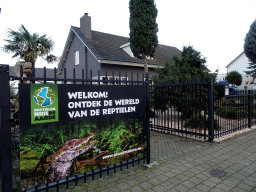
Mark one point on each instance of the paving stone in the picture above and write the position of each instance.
(217, 190)
(162, 178)
(176, 171)
(224, 187)
(188, 184)
(245, 186)
(181, 188)
(132, 182)
(249, 183)
(201, 176)
(168, 185)
(141, 178)
(99, 189)
(215, 180)
(169, 174)
(158, 172)
(195, 180)
(194, 190)
(122, 186)
(136, 189)
(150, 175)
(154, 181)
(112, 189)
(229, 183)
(159, 188)
(188, 173)
(203, 187)
(238, 189)
(146, 185)
(175, 181)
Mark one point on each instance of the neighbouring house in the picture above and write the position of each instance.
(240, 64)
(97, 51)
(221, 77)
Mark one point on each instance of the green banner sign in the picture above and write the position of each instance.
(44, 103)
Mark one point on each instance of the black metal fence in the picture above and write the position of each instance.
(183, 107)
(189, 108)
(234, 112)
(5, 129)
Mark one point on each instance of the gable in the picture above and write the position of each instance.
(239, 64)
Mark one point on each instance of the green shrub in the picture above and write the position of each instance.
(197, 121)
(232, 113)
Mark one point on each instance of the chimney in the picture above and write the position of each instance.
(85, 26)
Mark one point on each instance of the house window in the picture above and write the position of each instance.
(77, 57)
(115, 81)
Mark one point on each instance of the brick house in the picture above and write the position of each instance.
(92, 50)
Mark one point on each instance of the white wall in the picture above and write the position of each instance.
(240, 65)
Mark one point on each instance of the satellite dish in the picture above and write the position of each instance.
(27, 67)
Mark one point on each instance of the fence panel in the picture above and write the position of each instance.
(234, 113)
(182, 107)
(116, 85)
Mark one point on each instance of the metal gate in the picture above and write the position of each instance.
(183, 107)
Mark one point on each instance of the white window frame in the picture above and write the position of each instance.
(123, 79)
(77, 57)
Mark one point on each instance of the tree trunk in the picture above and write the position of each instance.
(145, 65)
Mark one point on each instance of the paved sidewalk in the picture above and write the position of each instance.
(185, 165)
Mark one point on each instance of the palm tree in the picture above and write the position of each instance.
(29, 46)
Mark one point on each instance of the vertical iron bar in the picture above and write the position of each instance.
(44, 74)
(119, 78)
(58, 186)
(21, 73)
(99, 77)
(83, 76)
(65, 75)
(5, 132)
(74, 76)
(126, 81)
(66, 182)
(91, 75)
(113, 78)
(85, 177)
(106, 76)
(249, 110)
(210, 109)
(147, 119)
(55, 74)
(33, 74)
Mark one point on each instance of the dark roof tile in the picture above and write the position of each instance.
(107, 47)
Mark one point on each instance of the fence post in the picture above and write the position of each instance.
(249, 110)
(5, 132)
(210, 110)
(147, 118)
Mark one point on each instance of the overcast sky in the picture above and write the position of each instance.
(215, 28)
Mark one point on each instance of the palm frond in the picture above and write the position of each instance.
(28, 46)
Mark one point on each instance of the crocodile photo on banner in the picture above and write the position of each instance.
(71, 129)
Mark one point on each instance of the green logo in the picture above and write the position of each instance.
(44, 96)
(44, 103)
